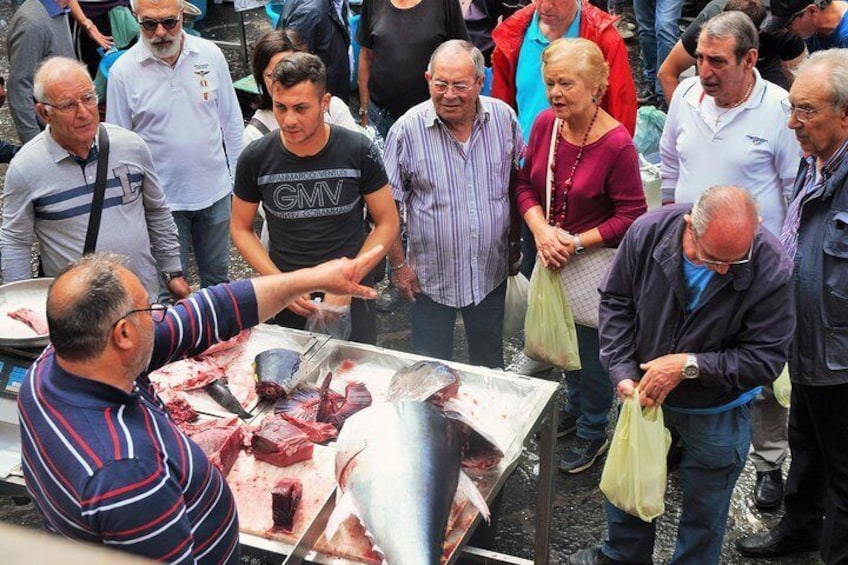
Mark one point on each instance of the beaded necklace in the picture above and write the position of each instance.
(557, 216)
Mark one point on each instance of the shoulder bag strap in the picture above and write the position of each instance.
(263, 129)
(99, 192)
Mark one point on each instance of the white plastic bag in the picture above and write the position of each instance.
(782, 388)
(515, 305)
(549, 332)
(331, 320)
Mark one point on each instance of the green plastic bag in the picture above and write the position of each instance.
(634, 477)
(782, 388)
(549, 332)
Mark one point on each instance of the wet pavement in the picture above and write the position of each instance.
(578, 505)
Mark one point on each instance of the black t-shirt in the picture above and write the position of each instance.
(313, 205)
(402, 41)
(774, 47)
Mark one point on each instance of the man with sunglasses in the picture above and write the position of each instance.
(49, 189)
(725, 127)
(696, 311)
(102, 459)
(175, 91)
(821, 23)
(815, 236)
(457, 207)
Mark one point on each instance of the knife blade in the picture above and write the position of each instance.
(312, 533)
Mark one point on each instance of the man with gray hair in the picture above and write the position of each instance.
(727, 127)
(457, 207)
(175, 91)
(48, 192)
(815, 235)
(696, 311)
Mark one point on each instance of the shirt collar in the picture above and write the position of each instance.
(835, 160)
(79, 391)
(54, 9)
(695, 95)
(535, 34)
(58, 153)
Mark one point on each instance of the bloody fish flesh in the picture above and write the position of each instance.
(275, 370)
(285, 498)
(280, 443)
(36, 322)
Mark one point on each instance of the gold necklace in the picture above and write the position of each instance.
(736, 105)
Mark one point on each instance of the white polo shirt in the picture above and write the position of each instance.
(188, 114)
(749, 146)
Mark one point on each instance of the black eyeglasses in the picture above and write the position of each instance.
(157, 312)
(168, 23)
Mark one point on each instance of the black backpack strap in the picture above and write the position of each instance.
(99, 192)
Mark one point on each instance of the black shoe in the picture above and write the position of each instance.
(773, 543)
(582, 454)
(768, 492)
(645, 95)
(567, 425)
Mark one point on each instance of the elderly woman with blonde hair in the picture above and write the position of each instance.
(579, 189)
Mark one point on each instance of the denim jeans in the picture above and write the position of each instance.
(589, 391)
(208, 232)
(658, 31)
(433, 325)
(714, 451)
(380, 119)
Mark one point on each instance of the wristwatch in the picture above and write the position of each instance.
(168, 277)
(690, 368)
(363, 112)
(578, 246)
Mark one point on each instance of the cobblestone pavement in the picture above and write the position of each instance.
(578, 516)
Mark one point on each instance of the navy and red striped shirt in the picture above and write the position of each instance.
(111, 467)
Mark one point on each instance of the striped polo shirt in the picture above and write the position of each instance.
(456, 197)
(107, 466)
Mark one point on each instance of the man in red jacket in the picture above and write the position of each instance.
(521, 38)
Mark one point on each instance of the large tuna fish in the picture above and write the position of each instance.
(398, 471)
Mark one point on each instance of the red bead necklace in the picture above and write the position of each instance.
(557, 217)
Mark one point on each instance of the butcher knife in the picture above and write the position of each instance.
(312, 533)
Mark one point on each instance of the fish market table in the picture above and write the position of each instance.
(509, 407)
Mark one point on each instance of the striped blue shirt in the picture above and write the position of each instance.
(456, 197)
(111, 467)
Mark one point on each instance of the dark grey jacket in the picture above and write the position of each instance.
(740, 331)
(819, 354)
(326, 35)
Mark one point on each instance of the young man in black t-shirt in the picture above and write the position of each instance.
(313, 181)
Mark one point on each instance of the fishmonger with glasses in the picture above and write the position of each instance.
(102, 459)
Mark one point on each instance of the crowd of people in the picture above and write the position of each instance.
(696, 306)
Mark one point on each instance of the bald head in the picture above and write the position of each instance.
(84, 302)
(731, 208)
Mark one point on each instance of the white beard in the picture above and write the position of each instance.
(164, 50)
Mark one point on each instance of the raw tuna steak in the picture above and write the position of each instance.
(275, 370)
(280, 443)
(221, 445)
(285, 497)
(318, 432)
(179, 409)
